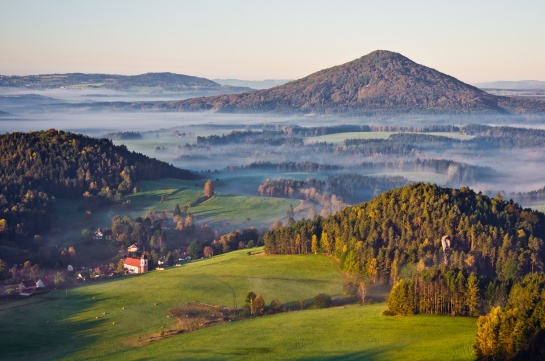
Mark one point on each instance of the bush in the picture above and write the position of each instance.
(322, 300)
(275, 306)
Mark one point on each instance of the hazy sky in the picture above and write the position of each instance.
(474, 41)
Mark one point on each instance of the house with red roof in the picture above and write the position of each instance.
(136, 265)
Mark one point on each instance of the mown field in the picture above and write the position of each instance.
(105, 321)
(224, 208)
(341, 137)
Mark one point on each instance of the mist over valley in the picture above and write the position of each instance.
(423, 190)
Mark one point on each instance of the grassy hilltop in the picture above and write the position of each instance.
(79, 324)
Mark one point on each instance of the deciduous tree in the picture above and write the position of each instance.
(258, 306)
(208, 189)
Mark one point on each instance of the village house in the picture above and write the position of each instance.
(98, 234)
(40, 284)
(136, 265)
(133, 248)
(27, 288)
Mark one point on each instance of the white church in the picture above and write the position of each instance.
(136, 265)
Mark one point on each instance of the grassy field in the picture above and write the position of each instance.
(341, 137)
(224, 211)
(222, 208)
(78, 324)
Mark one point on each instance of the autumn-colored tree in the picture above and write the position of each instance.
(3, 226)
(275, 306)
(372, 270)
(362, 291)
(208, 189)
(258, 306)
(72, 252)
(189, 221)
(179, 225)
(315, 247)
(59, 279)
(248, 302)
(208, 251)
(401, 299)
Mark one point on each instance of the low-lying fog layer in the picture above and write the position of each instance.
(172, 136)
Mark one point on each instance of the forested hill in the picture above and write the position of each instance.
(37, 167)
(404, 227)
(165, 81)
(379, 81)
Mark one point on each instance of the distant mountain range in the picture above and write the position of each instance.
(254, 84)
(379, 82)
(513, 85)
(145, 82)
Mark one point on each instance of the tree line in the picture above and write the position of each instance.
(346, 188)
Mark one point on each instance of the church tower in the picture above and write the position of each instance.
(143, 264)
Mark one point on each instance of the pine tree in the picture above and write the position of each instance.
(177, 210)
(472, 295)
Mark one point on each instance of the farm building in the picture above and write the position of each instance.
(136, 265)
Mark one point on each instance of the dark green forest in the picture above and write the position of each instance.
(489, 236)
(38, 167)
(445, 251)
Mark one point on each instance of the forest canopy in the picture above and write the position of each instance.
(38, 167)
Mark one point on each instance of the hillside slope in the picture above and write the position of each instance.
(402, 227)
(381, 80)
(38, 167)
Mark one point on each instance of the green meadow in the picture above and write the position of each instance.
(104, 321)
(341, 137)
(224, 210)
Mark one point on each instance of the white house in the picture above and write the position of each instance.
(98, 234)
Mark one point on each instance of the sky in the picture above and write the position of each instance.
(474, 41)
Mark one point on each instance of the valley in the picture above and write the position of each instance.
(79, 323)
(401, 194)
